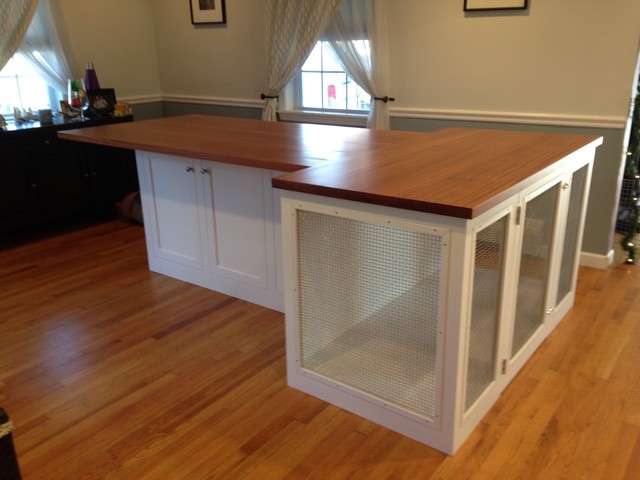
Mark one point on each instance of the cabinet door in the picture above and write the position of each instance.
(571, 242)
(113, 174)
(237, 231)
(61, 180)
(18, 201)
(532, 298)
(172, 208)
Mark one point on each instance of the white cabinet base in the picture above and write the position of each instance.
(419, 321)
(214, 225)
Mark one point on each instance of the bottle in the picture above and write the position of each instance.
(91, 78)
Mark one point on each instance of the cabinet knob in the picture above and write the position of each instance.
(203, 171)
(33, 185)
(189, 169)
(565, 186)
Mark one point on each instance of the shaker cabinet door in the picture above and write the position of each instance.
(172, 208)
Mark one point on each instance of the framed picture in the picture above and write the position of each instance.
(207, 11)
(102, 102)
(475, 5)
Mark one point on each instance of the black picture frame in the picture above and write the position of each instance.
(485, 5)
(102, 102)
(208, 12)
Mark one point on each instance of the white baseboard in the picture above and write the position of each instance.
(596, 261)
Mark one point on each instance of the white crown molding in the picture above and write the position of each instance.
(511, 117)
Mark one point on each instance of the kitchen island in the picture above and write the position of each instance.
(419, 271)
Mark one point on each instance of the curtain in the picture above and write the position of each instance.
(355, 22)
(15, 17)
(292, 30)
(42, 48)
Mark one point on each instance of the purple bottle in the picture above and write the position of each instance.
(91, 79)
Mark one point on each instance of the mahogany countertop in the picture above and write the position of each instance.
(285, 147)
(454, 172)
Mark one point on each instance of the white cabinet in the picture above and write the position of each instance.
(212, 224)
(174, 207)
(419, 321)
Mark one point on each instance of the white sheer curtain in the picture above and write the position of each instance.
(292, 30)
(15, 17)
(355, 22)
(42, 48)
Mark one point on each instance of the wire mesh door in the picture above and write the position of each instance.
(488, 274)
(535, 263)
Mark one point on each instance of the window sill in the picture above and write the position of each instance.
(341, 119)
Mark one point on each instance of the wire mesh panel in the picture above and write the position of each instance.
(534, 266)
(490, 249)
(570, 242)
(369, 297)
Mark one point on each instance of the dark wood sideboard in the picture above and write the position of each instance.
(44, 179)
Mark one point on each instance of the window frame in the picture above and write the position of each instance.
(292, 109)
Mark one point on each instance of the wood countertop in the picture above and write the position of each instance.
(285, 147)
(454, 172)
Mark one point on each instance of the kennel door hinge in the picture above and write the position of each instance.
(504, 366)
(518, 215)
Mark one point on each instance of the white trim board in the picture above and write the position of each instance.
(594, 260)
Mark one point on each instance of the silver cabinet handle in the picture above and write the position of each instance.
(204, 171)
(189, 169)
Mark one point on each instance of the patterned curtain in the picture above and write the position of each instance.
(292, 30)
(15, 17)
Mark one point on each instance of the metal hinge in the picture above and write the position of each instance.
(518, 215)
(504, 366)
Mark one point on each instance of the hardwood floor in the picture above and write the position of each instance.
(109, 371)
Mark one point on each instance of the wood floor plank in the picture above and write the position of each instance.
(113, 372)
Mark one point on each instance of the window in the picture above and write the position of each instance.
(324, 86)
(21, 86)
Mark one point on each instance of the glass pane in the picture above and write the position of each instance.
(8, 94)
(33, 91)
(22, 67)
(9, 69)
(335, 90)
(314, 61)
(357, 98)
(311, 89)
(329, 61)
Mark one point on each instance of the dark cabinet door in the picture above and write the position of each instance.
(18, 199)
(62, 180)
(113, 174)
